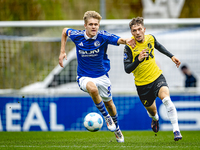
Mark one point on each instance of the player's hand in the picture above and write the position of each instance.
(176, 61)
(61, 57)
(131, 42)
(143, 54)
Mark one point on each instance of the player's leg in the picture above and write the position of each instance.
(94, 93)
(110, 106)
(104, 86)
(113, 112)
(147, 98)
(105, 93)
(152, 112)
(164, 95)
(89, 85)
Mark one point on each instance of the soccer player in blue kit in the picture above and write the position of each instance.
(93, 65)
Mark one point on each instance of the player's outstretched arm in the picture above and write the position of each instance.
(62, 49)
(128, 41)
(176, 61)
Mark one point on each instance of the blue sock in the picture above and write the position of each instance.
(102, 108)
(115, 119)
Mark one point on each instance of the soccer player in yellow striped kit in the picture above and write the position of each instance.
(149, 81)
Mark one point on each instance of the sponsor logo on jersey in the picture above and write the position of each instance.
(97, 43)
(92, 53)
(135, 50)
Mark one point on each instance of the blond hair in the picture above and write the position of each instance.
(136, 21)
(91, 14)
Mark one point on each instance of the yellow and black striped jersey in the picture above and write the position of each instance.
(146, 71)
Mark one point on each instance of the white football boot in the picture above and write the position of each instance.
(110, 124)
(119, 136)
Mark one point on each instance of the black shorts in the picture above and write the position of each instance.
(149, 92)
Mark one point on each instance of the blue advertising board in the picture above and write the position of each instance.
(54, 113)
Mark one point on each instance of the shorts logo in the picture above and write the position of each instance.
(109, 91)
(159, 84)
(96, 43)
(144, 102)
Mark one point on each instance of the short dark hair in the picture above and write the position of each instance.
(136, 21)
(184, 67)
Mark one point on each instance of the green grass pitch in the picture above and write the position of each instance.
(105, 140)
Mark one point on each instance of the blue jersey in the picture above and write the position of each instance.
(91, 52)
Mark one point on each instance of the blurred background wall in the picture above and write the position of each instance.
(15, 10)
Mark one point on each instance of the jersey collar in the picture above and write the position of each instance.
(87, 38)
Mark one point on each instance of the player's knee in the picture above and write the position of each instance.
(163, 96)
(164, 92)
(93, 90)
